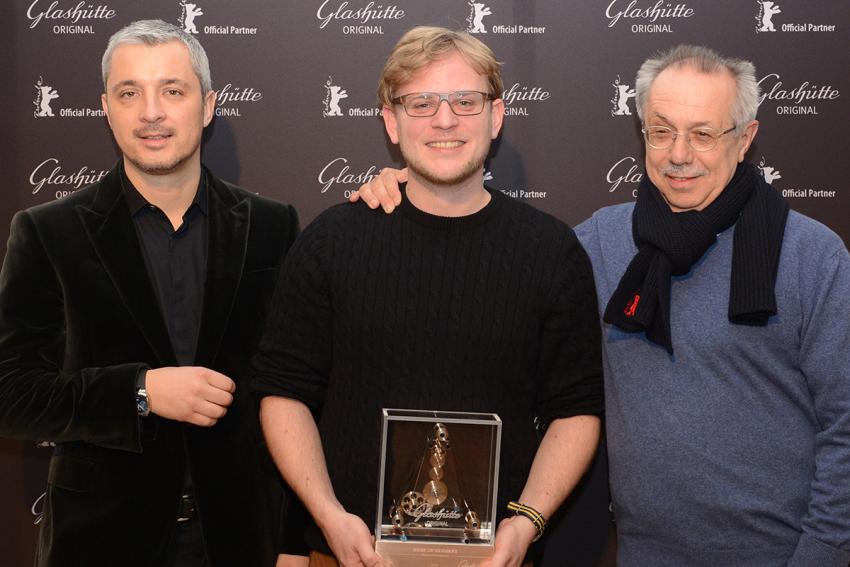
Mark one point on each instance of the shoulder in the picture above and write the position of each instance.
(604, 222)
(810, 245)
(53, 210)
(613, 215)
(802, 232)
(259, 203)
(531, 219)
(55, 223)
(344, 218)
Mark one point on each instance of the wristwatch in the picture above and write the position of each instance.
(143, 408)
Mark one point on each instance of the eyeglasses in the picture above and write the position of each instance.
(699, 139)
(462, 103)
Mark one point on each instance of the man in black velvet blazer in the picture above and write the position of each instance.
(93, 334)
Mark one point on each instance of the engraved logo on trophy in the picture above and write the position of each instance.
(435, 504)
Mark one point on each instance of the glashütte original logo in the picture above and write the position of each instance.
(189, 11)
(653, 16)
(338, 172)
(620, 103)
(522, 94)
(37, 509)
(46, 94)
(772, 174)
(229, 99)
(74, 20)
(794, 100)
(624, 170)
(49, 173)
(475, 22)
(363, 20)
(768, 9)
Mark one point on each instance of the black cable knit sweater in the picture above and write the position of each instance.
(492, 312)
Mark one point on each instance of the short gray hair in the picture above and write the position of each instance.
(708, 61)
(157, 32)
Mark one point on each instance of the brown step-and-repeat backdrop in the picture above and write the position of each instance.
(298, 121)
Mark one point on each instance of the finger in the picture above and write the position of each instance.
(201, 420)
(401, 177)
(354, 197)
(218, 397)
(366, 192)
(368, 556)
(384, 196)
(209, 409)
(220, 381)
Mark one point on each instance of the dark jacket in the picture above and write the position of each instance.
(79, 318)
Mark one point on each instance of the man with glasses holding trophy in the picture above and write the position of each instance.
(463, 300)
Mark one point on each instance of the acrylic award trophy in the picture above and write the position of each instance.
(437, 492)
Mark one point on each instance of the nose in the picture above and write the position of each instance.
(444, 118)
(152, 110)
(680, 151)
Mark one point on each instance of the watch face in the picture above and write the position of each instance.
(142, 407)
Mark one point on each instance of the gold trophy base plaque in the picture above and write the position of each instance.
(432, 554)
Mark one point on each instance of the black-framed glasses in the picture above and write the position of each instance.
(699, 139)
(462, 103)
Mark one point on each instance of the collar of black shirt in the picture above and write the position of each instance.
(138, 203)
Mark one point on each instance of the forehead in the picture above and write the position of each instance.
(447, 74)
(140, 62)
(684, 94)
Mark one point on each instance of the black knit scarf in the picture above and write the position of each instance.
(669, 244)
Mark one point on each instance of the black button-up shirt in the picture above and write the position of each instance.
(177, 263)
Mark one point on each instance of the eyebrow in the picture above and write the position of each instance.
(161, 83)
(694, 125)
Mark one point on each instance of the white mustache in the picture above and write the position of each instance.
(681, 171)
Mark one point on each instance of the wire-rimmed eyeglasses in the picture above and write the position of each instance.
(699, 139)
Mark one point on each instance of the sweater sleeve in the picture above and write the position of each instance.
(825, 362)
(570, 363)
(294, 356)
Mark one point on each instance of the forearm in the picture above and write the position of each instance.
(562, 458)
(294, 443)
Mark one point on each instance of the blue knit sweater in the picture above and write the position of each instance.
(735, 450)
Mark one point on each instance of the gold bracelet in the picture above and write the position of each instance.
(536, 517)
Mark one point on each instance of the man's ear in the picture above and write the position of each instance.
(747, 137)
(209, 106)
(497, 116)
(105, 108)
(390, 123)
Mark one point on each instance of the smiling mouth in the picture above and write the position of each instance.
(152, 134)
(445, 145)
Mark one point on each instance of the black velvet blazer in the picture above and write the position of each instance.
(78, 319)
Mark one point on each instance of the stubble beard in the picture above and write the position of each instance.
(163, 168)
(470, 169)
